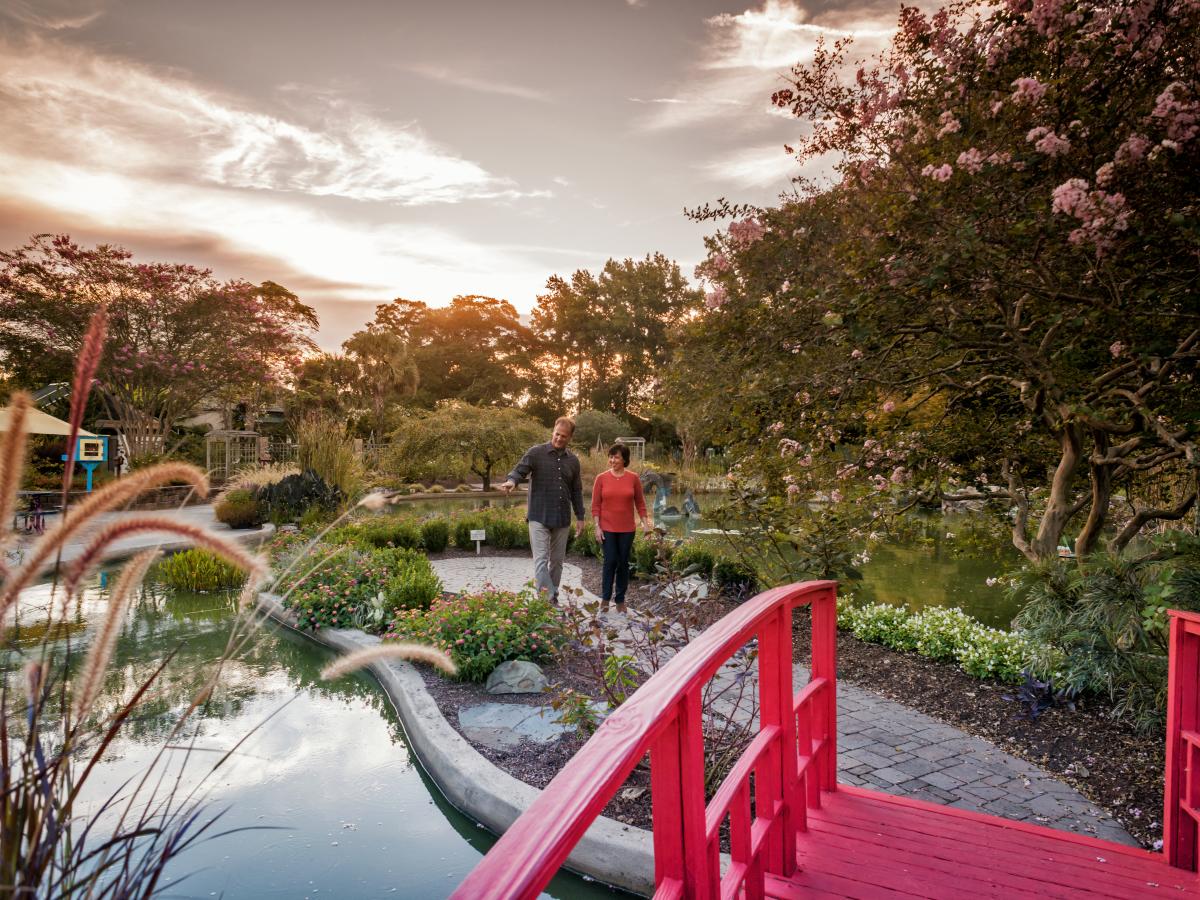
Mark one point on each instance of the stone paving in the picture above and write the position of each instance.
(883, 744)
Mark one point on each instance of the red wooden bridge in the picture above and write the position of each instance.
(793, 830)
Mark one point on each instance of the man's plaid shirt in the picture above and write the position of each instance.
(555, 486)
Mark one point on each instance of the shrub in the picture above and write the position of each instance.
(503, 533)
(413, 583)
(995, 654)
(881, 623)
(506, 529)
(482, 630)
(239, 509)
(294, 495)
(435, 535)
(199, 571)
(695, 556)
(941, 633)
(362, 589)
(462, 531)
(314, 515)
(587, 545)
(436, 489)
(390, 532)
(734, 574)
(645, 555)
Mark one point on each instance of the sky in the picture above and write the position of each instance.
(364, 150)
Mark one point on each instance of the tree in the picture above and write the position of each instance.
(175, 334)
(386, 372)
(480, 437)
(1008, 261)
(475, 350)
(592, 425)
(608, 337)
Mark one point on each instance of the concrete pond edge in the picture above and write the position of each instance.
(610, 852)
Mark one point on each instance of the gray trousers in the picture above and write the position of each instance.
(549, 547)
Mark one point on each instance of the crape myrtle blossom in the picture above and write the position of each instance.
(1101, 215)
(716, 298)
(746, 232)
(1046, 141)
(938, 173)
(1028, 90)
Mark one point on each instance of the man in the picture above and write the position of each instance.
(555, 489)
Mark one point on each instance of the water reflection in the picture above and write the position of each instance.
(326, 778)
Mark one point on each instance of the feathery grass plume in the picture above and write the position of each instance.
(86, 365)
(351, 662)
(12, 460)
(113, 531)
(249, 594)
(102, 500)
(101, 650)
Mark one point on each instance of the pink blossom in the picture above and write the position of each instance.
(1046, 141)
(720, 262)
(1104, 175)
(775, 427)
(1102, 215)
(716, 297)
(793, 489)
(1028, 90)
(746, 232)
(835, 496)
(997, 105)
(788, 447)
(1132, 150)
(1000, 158)
(856, 353)
(972, 160)
(1116, 348)
(950, 124)
(1180, 114)
(898, 475)
(786, 286)
(888, 406)
(939, 173)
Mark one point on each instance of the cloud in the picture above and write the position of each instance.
(86, 109)
(481, 85)
(767, 165)
(745, 57)
(52, 15)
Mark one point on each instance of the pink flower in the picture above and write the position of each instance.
(746, 232)
(1028, 90)
(1132, 150)
(775, 427)
(1104, 174)
(940, 173)
(721, 262)
(972, 160)
(793, 489)
(717, 297)
(1116, 348)
(898, 475)
(856, 353)
(888, 406)
(949, 123)
(835, 496)
(996, 107)
(1046, 141)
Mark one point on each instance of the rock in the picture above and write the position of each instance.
(516, 676)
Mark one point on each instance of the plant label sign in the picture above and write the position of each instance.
(478, 535)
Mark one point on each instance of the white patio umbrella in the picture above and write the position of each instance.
(38, 422)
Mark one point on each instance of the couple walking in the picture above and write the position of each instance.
(556, 490)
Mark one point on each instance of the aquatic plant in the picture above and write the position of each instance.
(198, 571)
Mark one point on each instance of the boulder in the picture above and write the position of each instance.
(517, 676)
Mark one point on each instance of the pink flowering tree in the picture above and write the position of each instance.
(175, 335)
(1000, 291)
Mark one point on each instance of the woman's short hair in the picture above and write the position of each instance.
(622, 449)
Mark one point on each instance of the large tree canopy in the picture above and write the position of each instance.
(475, 350)
(175, 334)
(1002, 286)
(606, 338)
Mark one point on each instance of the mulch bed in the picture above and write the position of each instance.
(1116, 769)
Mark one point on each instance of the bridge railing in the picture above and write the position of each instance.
(787, 765)
(1181, 806)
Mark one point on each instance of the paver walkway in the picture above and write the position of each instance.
(201, 516)
(884, 744)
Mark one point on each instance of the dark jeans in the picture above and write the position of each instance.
(617, 547)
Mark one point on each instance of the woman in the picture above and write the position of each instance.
(616, 496)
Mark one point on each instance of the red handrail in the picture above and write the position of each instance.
(1181, 803)
(792, 759)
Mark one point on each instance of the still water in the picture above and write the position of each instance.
(929, 568)
(337, 804)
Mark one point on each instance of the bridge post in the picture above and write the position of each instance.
(779, 786)
(1181, 803)
(824, 665)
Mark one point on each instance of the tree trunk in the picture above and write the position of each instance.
(1101, 476)
(1058, 508)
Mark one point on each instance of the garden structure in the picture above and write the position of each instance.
(793, 830)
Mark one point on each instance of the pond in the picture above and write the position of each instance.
(931, 567)
(337, 803)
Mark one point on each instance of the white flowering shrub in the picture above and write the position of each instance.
(941, 634)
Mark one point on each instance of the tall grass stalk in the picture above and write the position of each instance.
(325, 448)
